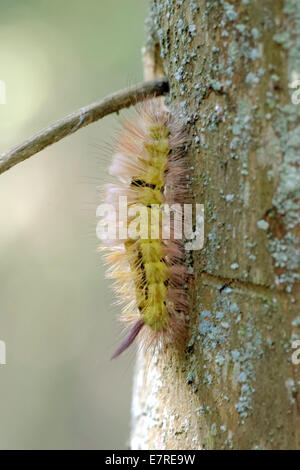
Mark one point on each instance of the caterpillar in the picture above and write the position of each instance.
(150, 276)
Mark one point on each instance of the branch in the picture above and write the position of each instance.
(80, 118)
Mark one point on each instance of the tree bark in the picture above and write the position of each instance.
(230, 65)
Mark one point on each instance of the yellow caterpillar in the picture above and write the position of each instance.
(149, 270)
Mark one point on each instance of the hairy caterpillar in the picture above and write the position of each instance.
(149, 271)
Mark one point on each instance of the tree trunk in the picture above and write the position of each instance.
(230, 66)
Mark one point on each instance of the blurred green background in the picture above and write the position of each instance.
(59, 388)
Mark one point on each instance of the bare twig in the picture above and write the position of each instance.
(84, 116)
